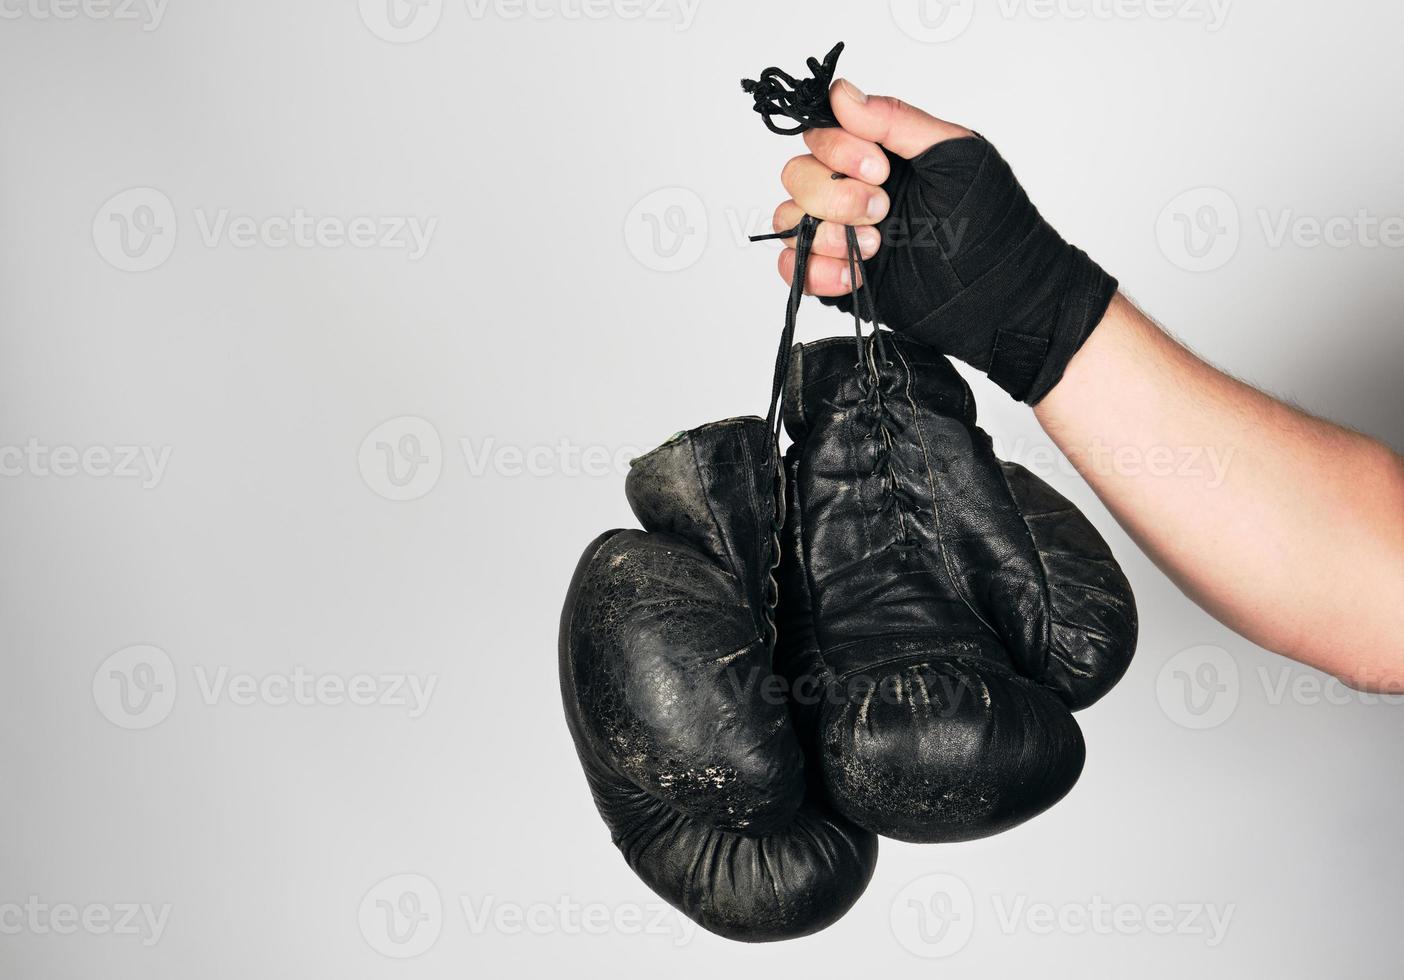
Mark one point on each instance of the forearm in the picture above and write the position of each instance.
(1288, 529)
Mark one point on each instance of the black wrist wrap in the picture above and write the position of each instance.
(967, 265)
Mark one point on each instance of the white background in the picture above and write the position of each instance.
(544, 312)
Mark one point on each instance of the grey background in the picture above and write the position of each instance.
(539, 315)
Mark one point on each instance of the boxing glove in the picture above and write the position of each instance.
(947, 611)
(666, 647)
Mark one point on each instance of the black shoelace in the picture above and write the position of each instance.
(807, 102)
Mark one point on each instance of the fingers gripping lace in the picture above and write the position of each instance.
(807, 102)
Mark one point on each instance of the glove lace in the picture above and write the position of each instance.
(807, 102)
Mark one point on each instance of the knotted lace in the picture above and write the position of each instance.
(805, 100)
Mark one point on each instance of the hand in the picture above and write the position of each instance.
(859, 200)
(961, 260)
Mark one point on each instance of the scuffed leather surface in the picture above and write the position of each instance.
(666, 654)
(947, 670)
(1086, 625)
(790, 883)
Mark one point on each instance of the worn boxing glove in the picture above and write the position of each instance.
(949, 611)
(666, 645)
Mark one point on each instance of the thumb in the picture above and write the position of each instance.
(903, 129)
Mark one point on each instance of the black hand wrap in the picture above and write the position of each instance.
(967, 265)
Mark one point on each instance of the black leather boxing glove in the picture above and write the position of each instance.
(968, 266)
(687, 743)
(954, 609)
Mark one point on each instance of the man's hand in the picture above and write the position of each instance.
(957, 257)
(854, 151)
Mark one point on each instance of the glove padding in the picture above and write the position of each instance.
(686, 740)
(968, 266)
(951, 610)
